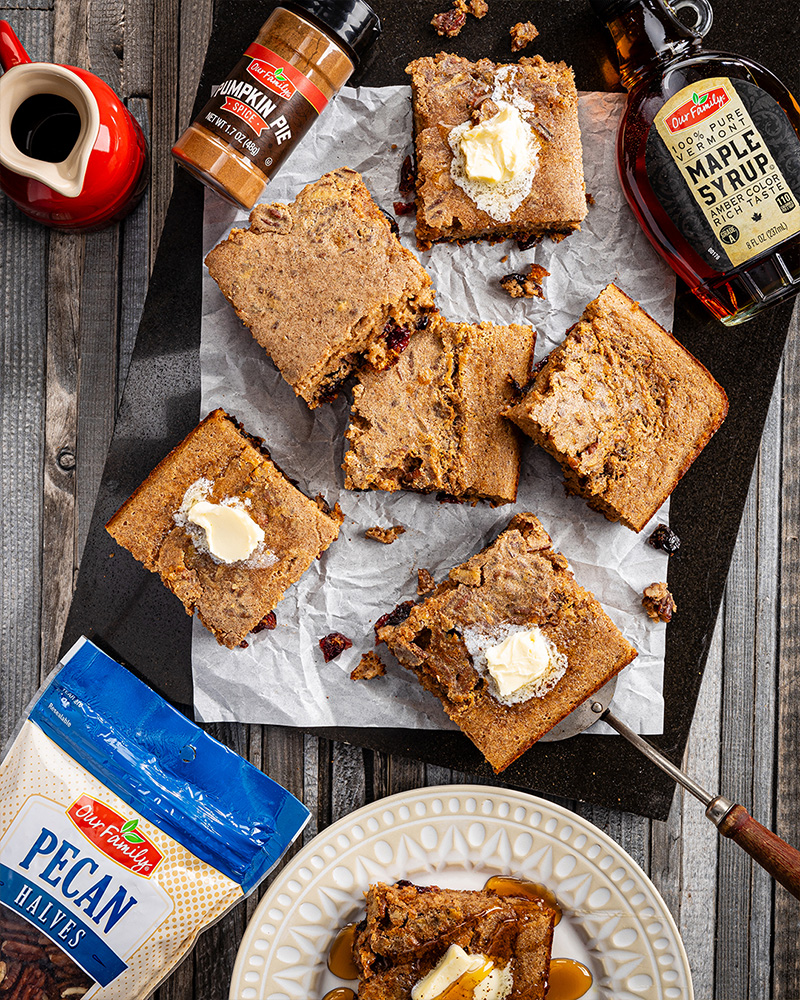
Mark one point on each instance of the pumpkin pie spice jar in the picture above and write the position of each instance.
(305, 52)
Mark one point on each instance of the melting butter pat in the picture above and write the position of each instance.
(453, 966)
(520, 658)
(231, 534)
(499, 149)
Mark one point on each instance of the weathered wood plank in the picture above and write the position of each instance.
(196, 22)
(138, 44)
(734, 895)
(311, 786)
(71, 32)
(348, 786)
(167, 53)
(786, 954)
(105, 33)
(97, 373)
(764, 683)
(134, 263)
(696, 881)
(23, 319)
(59, 560)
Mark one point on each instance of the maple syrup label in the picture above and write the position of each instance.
(263, 105)
(724, 161)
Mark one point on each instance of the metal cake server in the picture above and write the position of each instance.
(731, 820)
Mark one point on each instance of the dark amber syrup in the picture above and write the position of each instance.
(508, 885)
(340, 993)
(569, 980)
(340, 957)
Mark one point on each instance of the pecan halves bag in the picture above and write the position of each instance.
(124, 831)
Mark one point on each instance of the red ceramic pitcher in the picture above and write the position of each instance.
(71, 155)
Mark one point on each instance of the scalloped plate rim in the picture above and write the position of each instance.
(408, 798)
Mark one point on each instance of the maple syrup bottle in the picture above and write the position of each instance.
(708, 153)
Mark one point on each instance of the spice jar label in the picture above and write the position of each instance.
(724, 161)
(263, 105)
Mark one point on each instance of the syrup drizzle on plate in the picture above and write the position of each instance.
(340, 957)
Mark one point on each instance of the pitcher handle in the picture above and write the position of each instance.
(11, 51)
(703, 13)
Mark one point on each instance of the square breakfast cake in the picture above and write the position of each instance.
(532, 101)
(323, 284)
(433, 421)
(222, 526)
(514, 603)
(623, 407)
(409, 930)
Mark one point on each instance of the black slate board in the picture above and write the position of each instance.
(127, 610)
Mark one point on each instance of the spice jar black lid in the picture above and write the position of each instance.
(353, 22)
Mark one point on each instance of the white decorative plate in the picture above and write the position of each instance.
(457, 836)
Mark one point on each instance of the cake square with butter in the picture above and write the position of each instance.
(419, 941)
(510, 643)
(224, 528)
(498, 149)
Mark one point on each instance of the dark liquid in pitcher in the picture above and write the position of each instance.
(46, 127)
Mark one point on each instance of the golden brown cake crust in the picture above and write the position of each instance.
(318, 280)
(623, 407)
(445, 90)
(230, 599)
(518, 580)
(433, 421)
(407, 929)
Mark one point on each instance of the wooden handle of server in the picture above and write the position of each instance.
(780, 859)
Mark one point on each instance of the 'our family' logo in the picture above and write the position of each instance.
(272, 77)
(118, 838)
(698, 107)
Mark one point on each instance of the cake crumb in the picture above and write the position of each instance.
(590, 199)
(269, 622)
(478, 8)
(522, 34)
(471, 576)
(658, 602)
(449, 23)
(528, 285)
(369, 666)
(425, 582)
(385, 535)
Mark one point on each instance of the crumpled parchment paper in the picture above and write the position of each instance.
(281, 677)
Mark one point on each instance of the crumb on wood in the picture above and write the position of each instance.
(425, 582)
(385, 535)
(369, 666)
(522, 34)
(658, 602)
(525, 285)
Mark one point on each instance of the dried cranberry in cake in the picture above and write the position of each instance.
(394, 617)
(528, 285)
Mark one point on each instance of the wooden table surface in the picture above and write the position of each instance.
(68, 323)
